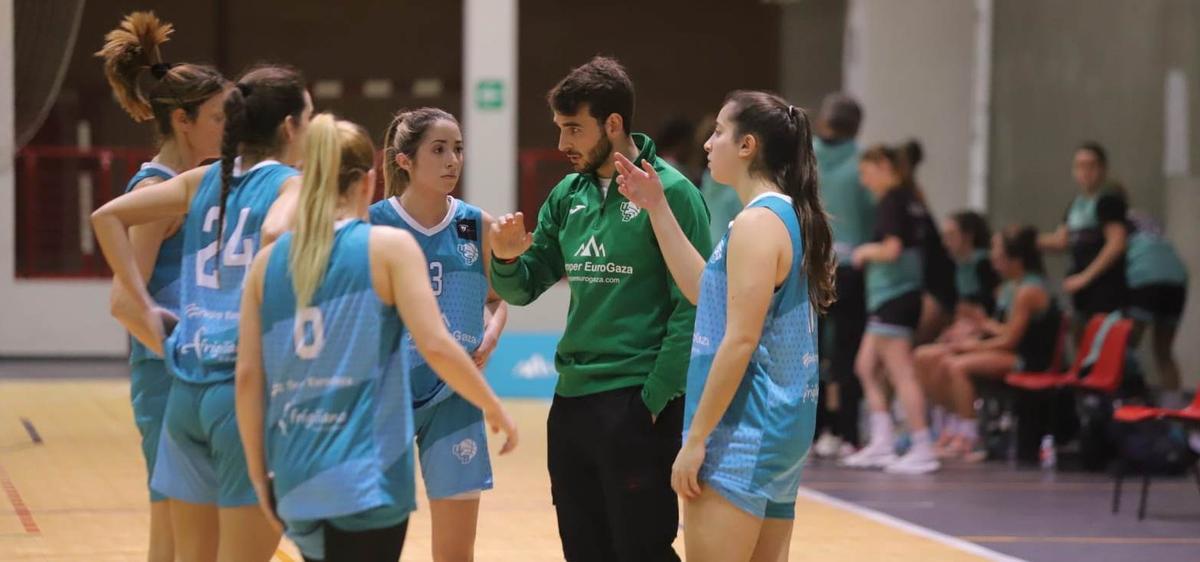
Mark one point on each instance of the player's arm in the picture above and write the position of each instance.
(250, 383)
(146, 239)
(111, 222)
(524, 265)
(1009, 334)
(643, 187)
(755, 250)
(495, 314)
(281, 216)
(1056, 241)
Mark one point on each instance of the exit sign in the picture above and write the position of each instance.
(489, 94)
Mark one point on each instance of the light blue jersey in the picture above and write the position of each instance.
(338, 418)
(755, 455)
(164, 280)
(203, 347)
(149, 381)
(454, 250)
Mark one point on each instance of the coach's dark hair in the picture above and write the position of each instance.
(603, 84)
(975, 227)
(1020, 243)
(147, 87)
(264, 97)
(842, 115)
(785, 155)
(403, 136)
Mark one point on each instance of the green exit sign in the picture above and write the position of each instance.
(489, 94)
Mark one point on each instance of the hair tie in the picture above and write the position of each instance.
(160, 69)
(245, 89)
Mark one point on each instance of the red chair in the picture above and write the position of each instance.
(1189, 416)
(1054, 378)
(1106, 373)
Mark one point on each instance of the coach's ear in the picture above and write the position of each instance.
(614, 126)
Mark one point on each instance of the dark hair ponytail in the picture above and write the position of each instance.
(786, 156)
(263, 99)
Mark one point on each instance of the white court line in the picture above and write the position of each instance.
(911, 528)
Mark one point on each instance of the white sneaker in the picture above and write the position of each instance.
(875, 455)
(827, 445)
(918, 460)
(845, 450)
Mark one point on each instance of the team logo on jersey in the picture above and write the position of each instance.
(466, 229)
(465, 450)
(629, 211)
(591, 249)
(809, 360)
(469, 253)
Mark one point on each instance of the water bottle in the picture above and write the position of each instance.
(1047, 455)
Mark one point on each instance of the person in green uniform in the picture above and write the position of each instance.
(1095, 231)
(1157, 293)
(852, 212)
(616, 421)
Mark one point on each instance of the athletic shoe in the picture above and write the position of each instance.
(827, 445)
(874, 455)
(919, 460)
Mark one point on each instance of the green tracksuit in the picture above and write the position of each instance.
(628, 324)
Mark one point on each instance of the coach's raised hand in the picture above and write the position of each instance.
(509, 237)
(641, 186)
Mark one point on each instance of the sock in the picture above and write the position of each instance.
(951, 427)
(881, 428)
(969, 429)
(922, 443)
(937, 417)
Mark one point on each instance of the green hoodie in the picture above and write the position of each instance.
(628, 324)
(848, 203)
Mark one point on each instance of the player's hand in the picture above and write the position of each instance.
(858, 259)
(168, 319)
(686, 470)
(484, 352)
(509, 237)
(153, 317)
(641, 186)
(263, 491)
(1073, 283)
(499, 421)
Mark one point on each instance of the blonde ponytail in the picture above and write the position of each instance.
(336, 155)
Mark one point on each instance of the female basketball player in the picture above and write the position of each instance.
(186, 103)
(326, 342)
(423, 158)
(232, 209)
(1022, 336)
(895, 282)
(752, 382)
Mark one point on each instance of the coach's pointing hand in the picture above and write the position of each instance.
(509, 238)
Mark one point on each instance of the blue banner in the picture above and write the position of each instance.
(523, 365)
